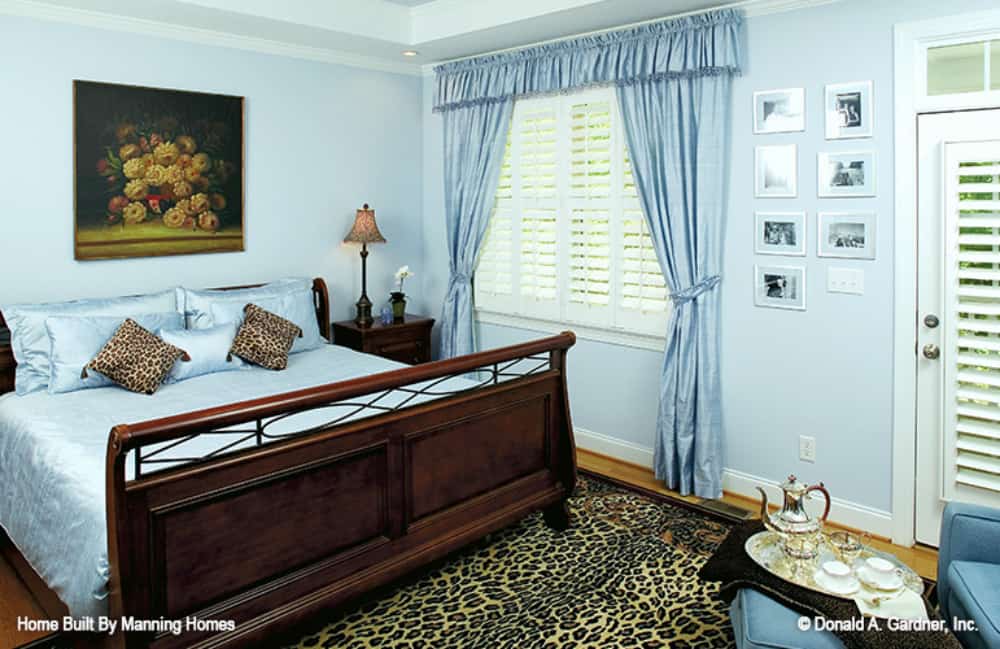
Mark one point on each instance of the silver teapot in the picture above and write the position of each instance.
(799, 533)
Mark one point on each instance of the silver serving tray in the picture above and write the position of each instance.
(765, 549)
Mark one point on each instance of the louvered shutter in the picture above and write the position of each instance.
(536, 178)
(971, 353)
(494, 281)
(567, 242)
(590, 223)
(644, 298)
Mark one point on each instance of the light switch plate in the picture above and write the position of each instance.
(845, 280)
(807, 448)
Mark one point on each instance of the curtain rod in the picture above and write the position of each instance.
(684, 14)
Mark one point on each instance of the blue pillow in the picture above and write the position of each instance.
(197, 305)
(208, 349)
(30, 339)
(296, 306)
(76, 340)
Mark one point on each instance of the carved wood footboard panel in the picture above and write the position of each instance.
(267, 536)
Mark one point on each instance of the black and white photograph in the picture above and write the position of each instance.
(776, 171)
(848, 235)
(780, 233)
(846, 174)
(780, 287)
(849, 110)
(779, 111)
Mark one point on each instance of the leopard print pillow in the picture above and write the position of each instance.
(136, 359)
(265, 338)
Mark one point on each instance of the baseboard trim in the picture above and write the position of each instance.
(843, 512)
(614, 448)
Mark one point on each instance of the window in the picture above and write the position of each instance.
(567, 241)
(963, 68)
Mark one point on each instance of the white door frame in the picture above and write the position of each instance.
(910, 94)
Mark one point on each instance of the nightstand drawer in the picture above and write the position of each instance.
(405, 351)
(407, 342)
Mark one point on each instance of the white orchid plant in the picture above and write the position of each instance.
(402, 274)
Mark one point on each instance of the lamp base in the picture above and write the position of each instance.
(364, 317)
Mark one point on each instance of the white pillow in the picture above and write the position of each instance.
(207, 348)
(197, 305)
(30, 340)
(296, 306)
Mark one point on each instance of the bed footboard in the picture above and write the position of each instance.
(238, 547)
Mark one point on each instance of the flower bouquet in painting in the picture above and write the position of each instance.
(159, 172)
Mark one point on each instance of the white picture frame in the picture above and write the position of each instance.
(776, 171)
(779, 111)
(846, 235)
(848, 109)
(780, 233)
(780, 287)
(845, 174)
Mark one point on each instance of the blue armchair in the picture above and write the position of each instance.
(969, 572)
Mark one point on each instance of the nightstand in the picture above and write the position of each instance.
(407, 342)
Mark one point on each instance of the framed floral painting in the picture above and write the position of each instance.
(158, 172)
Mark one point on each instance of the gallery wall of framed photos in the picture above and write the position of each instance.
(845, 169)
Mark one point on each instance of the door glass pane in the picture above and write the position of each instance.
(955, 68)
(995, 65)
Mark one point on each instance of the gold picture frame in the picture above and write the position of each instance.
(156, 172)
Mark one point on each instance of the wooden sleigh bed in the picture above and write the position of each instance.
(269, 536)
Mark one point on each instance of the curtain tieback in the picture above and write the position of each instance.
(691, 292)
(464, 278)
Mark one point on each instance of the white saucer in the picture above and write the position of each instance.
(865, 577)
(824, 582)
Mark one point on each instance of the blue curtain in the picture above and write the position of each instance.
(474, 141)
(677, 131)
(674, 83)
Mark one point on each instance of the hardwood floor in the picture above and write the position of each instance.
(16, 600)
(921, 558)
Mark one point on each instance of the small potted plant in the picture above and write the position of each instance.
(398, 296)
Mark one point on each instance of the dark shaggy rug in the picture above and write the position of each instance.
(623, 576)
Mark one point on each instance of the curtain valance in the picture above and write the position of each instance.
(699, 45)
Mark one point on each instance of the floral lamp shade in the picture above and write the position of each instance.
(365, 229)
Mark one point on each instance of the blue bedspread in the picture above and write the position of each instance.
(52, 458)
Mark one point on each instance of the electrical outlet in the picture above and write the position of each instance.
(807, 448)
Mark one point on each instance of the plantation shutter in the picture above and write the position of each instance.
(643, 289)
(567, 242)
(590, 236)
(494, 281)
(971, 355)
(536, 178)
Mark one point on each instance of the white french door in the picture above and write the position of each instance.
(958, 314)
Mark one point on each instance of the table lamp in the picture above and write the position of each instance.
(364, 231)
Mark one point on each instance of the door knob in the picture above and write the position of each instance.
(931, 321)
(931, 351)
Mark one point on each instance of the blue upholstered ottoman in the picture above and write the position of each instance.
(759, 622)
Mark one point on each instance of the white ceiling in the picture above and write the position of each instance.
(370, 33)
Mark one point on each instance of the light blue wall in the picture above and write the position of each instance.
(320, 140)
(825, 372)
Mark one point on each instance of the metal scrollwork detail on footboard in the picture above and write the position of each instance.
(388, 400)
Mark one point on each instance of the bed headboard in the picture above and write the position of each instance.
(321, 300)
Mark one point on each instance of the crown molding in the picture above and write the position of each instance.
(100, 20)
(768, 7)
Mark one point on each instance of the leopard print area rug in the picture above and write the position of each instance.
(623, 576)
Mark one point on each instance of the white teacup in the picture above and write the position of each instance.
(882, 572)
(837, 574)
